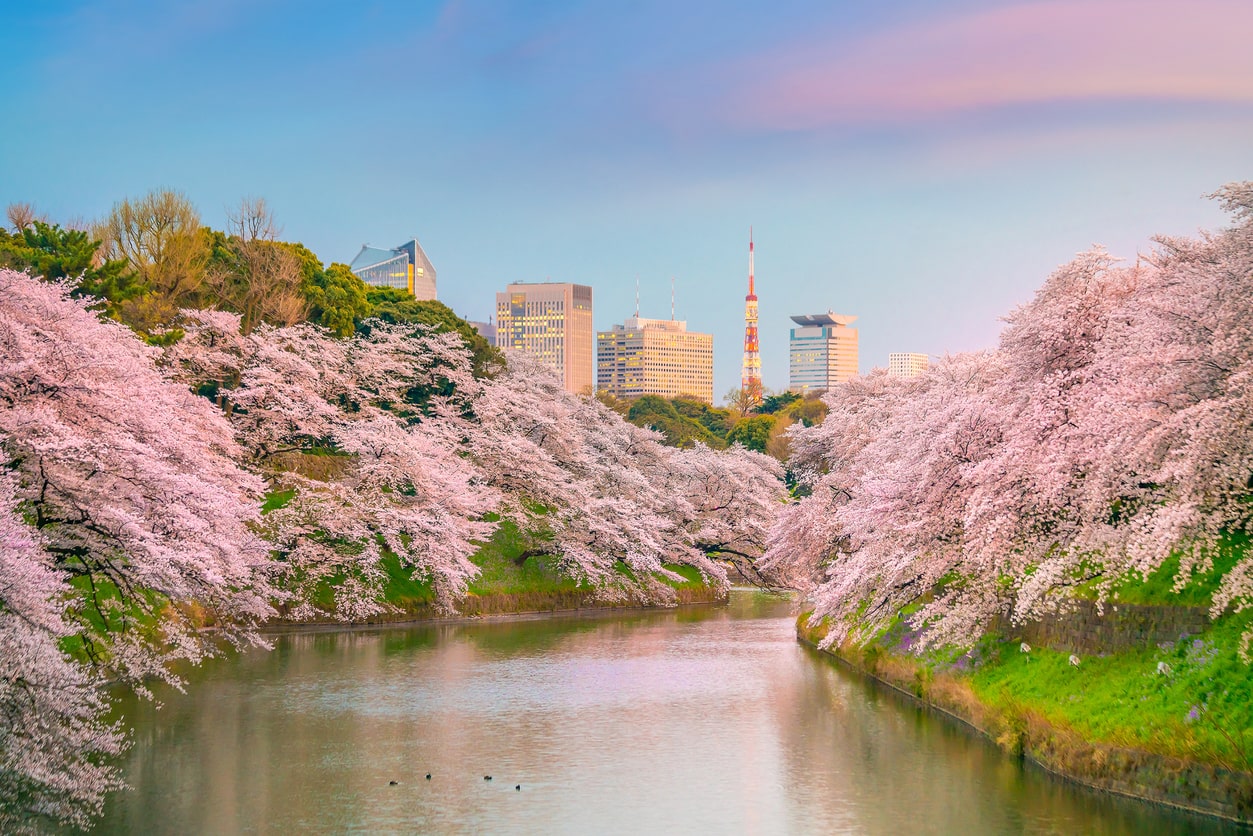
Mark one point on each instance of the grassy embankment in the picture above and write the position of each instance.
(509, 582)
(1181, 734)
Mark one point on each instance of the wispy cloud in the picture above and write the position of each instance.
(1063, 51)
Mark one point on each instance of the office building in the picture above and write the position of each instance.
(822, 352)
(553, 322)
(487, 330)
(405, 268)
(901, 364)
(655, 357)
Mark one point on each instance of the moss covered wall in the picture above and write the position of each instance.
(1087, 631)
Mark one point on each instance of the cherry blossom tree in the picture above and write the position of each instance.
(53, 745)
(1199, 396)
(587, 470)
(890, 516)
(388, 407)
(728, 501)
(1160, 444)
(1109, 431)
(130, 480)
(824, 460)
(614, 496)
(134, 536)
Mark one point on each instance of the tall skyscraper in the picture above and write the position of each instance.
(406, 267)
(655, 357)
(822, 352)
(902, 364)
(551, 321)
(750, 376)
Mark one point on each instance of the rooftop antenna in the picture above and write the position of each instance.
(672, 298)
(751, 290)
(637, 295)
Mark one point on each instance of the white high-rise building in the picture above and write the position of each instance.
(655, 357)
(551, 321)
(822, 352)
(903, 364)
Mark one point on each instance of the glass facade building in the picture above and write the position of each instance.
(405, 268)
(822, 352)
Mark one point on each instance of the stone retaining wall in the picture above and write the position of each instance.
(1120, 627)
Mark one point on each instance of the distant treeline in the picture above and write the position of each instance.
(685, 421)
(151, 257)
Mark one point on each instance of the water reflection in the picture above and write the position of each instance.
(698, 720)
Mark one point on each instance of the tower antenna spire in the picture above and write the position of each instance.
(750, 377)
(751, 291)
(672, 298)
(637, 295)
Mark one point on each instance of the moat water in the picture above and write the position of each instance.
(698, 720)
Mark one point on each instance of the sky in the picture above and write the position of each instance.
(923, 166)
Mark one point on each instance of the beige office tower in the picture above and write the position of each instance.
(655, 357)
(902, 364)
(822, 352)
(551, 321)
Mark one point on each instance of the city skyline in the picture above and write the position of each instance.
(596, 144)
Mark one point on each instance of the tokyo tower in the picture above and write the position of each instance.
(750, 378)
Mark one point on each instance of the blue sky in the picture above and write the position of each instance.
(923, 166)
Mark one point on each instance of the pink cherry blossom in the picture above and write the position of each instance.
(1111, 429)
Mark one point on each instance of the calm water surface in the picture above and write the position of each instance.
(702, 720)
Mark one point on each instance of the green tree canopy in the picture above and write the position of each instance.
(809, 411)
(752, 431)
(337, 298)
(717, 421)
(649, 406)
(51, 252)
(775, 403)
(662, 415)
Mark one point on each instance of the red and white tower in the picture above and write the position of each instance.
(750, 377)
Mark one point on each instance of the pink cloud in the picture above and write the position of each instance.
(1026, 54)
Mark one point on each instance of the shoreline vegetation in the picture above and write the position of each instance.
(1146, 697)
(1192, 786)
(506, 607)
(1143, 776)
(507, 587)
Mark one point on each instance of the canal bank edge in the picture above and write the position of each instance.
(515, 603)
(1192, 786)
(514, 578)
